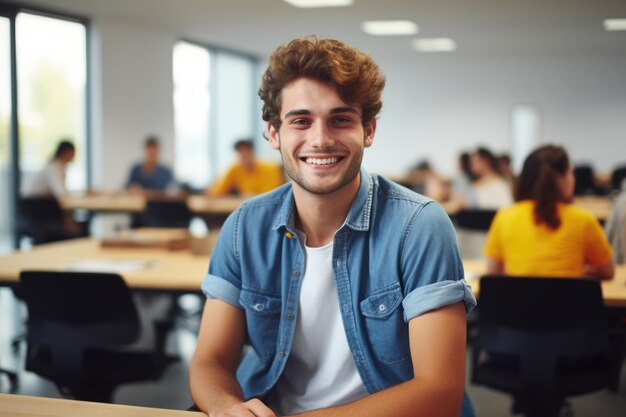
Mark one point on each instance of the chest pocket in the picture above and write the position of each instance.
(262, 320)
(387, 332)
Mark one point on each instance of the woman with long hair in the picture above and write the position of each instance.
(543, 233)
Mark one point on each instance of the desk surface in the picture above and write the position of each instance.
(26, 406)
(613, 291)
(164, 269)
(600, 206)
(123, 202)
(105, 202)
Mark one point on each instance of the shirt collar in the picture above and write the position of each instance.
(358, 217)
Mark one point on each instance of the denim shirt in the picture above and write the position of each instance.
(394, 258)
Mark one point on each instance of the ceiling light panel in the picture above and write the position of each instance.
(434, 45)
(615, 24)
(389, 27)
(319, 3)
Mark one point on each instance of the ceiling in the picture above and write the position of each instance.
(479, 27)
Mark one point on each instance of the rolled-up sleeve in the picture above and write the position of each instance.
(437, 295)
(431, 264)
(223, 280)
(217, 287)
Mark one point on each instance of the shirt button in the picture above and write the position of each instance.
(289, 235)
(346, 308)
(258, 307)
(281, 354)
(290, 317)
(296, 274)
(382, 308)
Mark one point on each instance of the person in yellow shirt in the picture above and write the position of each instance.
(248, 176)
(543, 233)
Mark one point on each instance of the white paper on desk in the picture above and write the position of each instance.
(112, 265)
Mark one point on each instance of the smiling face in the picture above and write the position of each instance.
(321, 138)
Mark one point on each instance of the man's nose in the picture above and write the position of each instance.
(321, 136)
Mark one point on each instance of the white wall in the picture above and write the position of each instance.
(443, 104)
(132, 68)
(435, 105)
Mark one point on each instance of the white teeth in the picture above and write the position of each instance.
(321, 161)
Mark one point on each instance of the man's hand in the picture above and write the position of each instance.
(251, 408)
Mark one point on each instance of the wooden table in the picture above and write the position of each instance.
(27, 406)
(613, 291)
(600, 206)
(119, 202)
(205, 205)
(164, 270)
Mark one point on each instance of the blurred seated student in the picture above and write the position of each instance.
(150, 177)
(543, 233)
(248, 176)
(504, 167)
(490, 189)
(462, 190)
(50, 181)
(616, 229)
(429, 183)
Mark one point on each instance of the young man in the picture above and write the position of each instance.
(149, 176)
(347, 288)
(248, 176)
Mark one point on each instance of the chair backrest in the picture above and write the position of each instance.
(546, 306)
(167, 213)
(474, 219)
(71, 311)
(585, 183)
(39, 210)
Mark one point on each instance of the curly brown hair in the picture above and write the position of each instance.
(355, 76)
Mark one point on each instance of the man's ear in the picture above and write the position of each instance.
(370, 130)
(272, 136)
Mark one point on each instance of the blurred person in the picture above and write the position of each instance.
(50, 181)
(462, 190)
(543, 233)
(616, 229)
(301, 274)
(59, 224)
(248, 176)
(150, 177)
(429, 182)
(490, 189)
(504, 167)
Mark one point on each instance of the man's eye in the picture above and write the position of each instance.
(342, 120)
(300, 122)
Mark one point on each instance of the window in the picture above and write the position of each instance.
(214, 105)
(44, 85)
(51, 75)
(5, 126)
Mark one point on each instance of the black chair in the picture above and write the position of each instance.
(166, 213)
(474, 219)
(43, 220)
(618, 176)
(541, 340)
(585, 180)
(80, 328)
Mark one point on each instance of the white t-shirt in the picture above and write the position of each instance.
(494, 194)
(50, 181)
(320, 371)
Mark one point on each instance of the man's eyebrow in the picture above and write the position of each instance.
(345, 109)
(336, 110)
(297, 112)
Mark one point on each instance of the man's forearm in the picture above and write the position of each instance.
(410, 399)
(213, 386)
